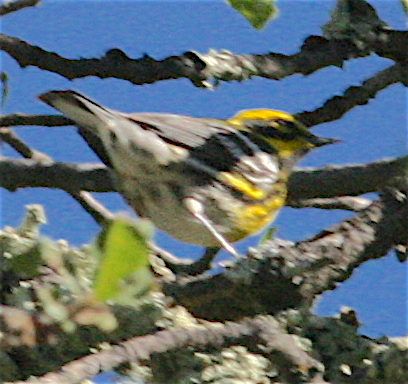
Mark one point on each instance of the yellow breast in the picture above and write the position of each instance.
(252, 218)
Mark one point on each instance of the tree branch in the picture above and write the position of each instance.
(302, 270)
(348, 180)
(254, 333)
(336, 107)
(368, 235)
(9, 137)
(12, 6)
(24, 173)
(17, 119)
(349, 203)
(98, 211)
(100, 214)
(200, 69)
(213, 67)
(306, 184)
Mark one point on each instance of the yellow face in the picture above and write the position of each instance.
(280, 129)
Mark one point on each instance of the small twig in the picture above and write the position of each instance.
(8, 136)
(12, 6)
(17, 119)
(98, 211)
(336, 107)
(348, 203)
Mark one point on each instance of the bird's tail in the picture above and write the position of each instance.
(84, 113)
(81, 110)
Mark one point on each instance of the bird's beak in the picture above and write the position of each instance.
(320, 141)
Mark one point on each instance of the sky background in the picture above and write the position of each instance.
(378, 289)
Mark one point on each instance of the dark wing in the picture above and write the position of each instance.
(185, 131)
(213, 143)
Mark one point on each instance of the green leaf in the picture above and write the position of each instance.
(404, 4)
(354, 20)
(257, 12)
(269, 234)
(124, 254)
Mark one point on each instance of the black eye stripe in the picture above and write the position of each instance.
(276, 133)
(266, 128)
(286, 123)
(287, 136)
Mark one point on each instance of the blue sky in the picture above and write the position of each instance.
(377, 290)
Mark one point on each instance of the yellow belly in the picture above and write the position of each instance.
(253, 218)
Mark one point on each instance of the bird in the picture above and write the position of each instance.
(205, 181)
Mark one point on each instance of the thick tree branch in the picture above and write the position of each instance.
(392, 45)
(258, 281)
(201, 69)
(302, 271)
(260, 334)
(306, 184)
(24, 173)
(349, 180)
(368, 235)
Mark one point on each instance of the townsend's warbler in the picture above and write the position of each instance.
(204, 181)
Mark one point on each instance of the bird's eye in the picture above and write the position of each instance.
(285, 123)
